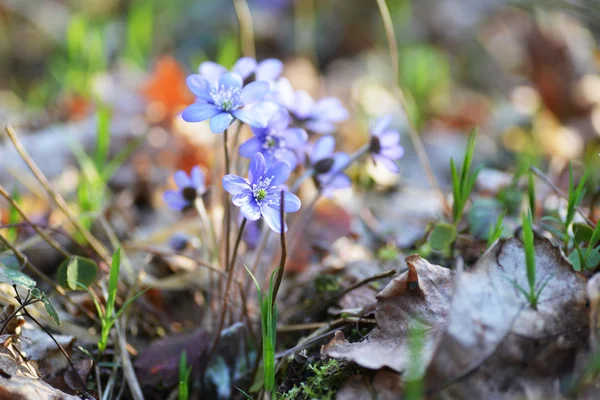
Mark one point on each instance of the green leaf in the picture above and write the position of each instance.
(531, 193)
(19, 278)
(576, 259)
(50, 309)
(483, 213)
(529, 249)
(76, 270)
(442, 236)
(582, 232)
(113, 282)
(593, 258)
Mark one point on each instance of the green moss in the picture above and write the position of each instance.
(325, 381)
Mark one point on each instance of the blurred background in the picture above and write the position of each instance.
(524, 71)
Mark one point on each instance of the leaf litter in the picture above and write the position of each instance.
(481, 337)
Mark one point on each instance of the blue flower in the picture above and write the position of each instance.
(320, 117)
(328, 165)
(259, 195)
(226, 99)
(266, 70)
(385, 144)
(277, 142)
(189, 188)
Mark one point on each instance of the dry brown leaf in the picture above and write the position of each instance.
(494, 343)
(385, 385)
(401, 306)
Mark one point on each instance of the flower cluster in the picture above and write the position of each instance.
(282, 123)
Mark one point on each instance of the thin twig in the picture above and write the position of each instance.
(166, 253)
(412, 130)
(53, 243)
(46, 227)
(63, 351)
(56, 197)
(377, 277)
(246, 30)
(559, 192)
(316, 325)
(23, 259)
(230, 273)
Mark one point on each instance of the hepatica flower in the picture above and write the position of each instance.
(189, 188)
(224, 100)
(277, 142)
(266, 70)
(259, 195)
(328, 165)
(385, 144)
(320, 116)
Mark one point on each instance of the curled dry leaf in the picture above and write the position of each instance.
(486, 342)
(418, 297)
(494, 342)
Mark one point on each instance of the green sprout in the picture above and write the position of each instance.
(496, 230)
(108, 315)
(140, 28)
(462, 184)
(184, 377)
(268, 313)
(590, 258)
(533, 293)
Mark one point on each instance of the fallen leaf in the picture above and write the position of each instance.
(385, 385)
(166, 90)
(419, 296)
(493, 339)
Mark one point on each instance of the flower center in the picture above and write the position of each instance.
(260, 194)
(261, 191)
(189, 193)
(226, 98)
(324, 166)
(375, 146)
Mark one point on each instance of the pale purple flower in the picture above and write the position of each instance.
(320, 116)
(277, 142)
(189, 188)
(329, 165)
(226, 99)
(267, 70)
(259, 195)
(385, 144)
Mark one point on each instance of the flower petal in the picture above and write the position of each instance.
(243, 198)
(256, 168)
(198, 112)
(321, 126)
(235, 184)
(322, 148)
(253, 92)
(291, 202)
(279, 120)
(380, 124)
(182, 179)
(269, 69)
(244, 66)
(330, 109)
(273, 219)
(220, 122)
(388, 163)
(303, 105)
(389, 138)
(251, 211)
(295, 137)
(284, 93)
(200, 86)
(394, 152)
(197, 178)
(211, 71)
(280, 172)
(175, 200)
(290, 158)
(252, 116)
(231, 80)
(340, 162)
(250, 146)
